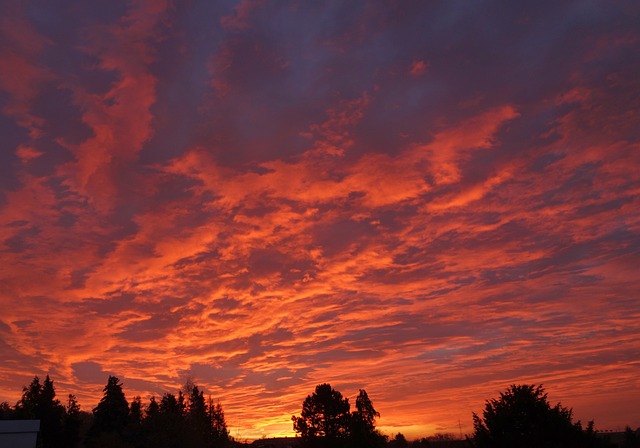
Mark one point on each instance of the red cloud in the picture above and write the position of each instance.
(418, 68)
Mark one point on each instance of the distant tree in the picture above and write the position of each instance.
(52, 415)
(39, 401)
(134, 430)
(153, 409)
(111, 417)
(6, 412)
(420, 443)
(631, 438)
(182, 406)
(151, 431)
(363, 419)
(197, 419)
(28, 407)
(523, 417)
(135, 411)
(441, 437)
(112, 412)
(399, 441)
(172, 421)
(72, 422)
(219, 431)
(325, 419)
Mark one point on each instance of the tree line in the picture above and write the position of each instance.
(185, 420)
(521, 417)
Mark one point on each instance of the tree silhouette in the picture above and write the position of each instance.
(153, 409)
(631, 438)
(135, 411)
(28, 407)
(6, 413)
(52, 415)
(112, 411)
(172, 421)
(197, 419)
(399, 441)
(152, 426)
(110, 417)
(363, 419)
(72, 423)
(325, 418)
(219, 431)
(39, 401)
(523, 417)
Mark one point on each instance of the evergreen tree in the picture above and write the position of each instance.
(134, 426)
(198, 419)
(219, 431)
(153, 409)
(28, 407)
(51, 414)
(135, 411)
(182, 406)
(72, 423)
(151, 428)
(39, 402)
(110, 417)
(112, 412)
(172, 420)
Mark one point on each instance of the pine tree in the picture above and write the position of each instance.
(198, 419)
(51, 414)
(72, 422)
(110, 417)
(39, 402)
(219, 431)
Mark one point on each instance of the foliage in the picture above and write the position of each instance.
(39, 401)
(179, 423)
(6, 413)
(363, 419)
(175, 422)
(399, 441)
(631, 438)
(219, 431)
(73, 422)
(135, 411)
(110, 417)
(523, 417)
(112, 413)
(324, 419)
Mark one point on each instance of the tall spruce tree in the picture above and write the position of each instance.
(198, 419)
(110, 417)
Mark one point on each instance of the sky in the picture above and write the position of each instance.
(428, 200)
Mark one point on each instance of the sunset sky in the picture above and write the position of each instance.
(430, 200)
